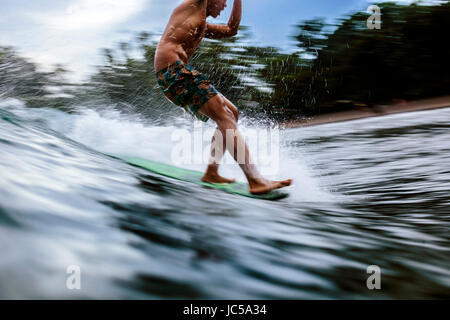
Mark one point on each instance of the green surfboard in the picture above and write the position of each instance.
(192, 176)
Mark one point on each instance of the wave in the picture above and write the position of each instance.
(111, 132)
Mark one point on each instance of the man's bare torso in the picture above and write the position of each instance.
(186, 28)
(183, 34)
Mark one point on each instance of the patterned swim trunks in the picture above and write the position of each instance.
(186, 87)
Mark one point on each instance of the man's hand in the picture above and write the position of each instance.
(219, 31)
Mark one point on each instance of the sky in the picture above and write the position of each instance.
(72, 32)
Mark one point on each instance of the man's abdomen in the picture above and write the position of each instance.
(167, 54)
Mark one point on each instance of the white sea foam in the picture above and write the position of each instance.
(117, 134)
(113, 133)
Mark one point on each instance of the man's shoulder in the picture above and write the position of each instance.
(186, 6)
(189, 6)
(188, 14)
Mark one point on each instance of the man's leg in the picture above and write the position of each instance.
(218, 148)
(219, 110)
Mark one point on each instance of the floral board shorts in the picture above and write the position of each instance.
(186, 87)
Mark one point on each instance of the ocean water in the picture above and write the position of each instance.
(366, 192)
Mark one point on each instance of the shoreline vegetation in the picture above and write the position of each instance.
(363, 112)
(339, 70)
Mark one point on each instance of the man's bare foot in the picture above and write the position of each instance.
(216, 178)
(260, 186)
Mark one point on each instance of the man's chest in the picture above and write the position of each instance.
(196, 32)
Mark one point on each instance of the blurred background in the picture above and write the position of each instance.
(77, 84)
(289, 60)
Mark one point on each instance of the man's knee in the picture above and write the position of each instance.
(217, 109)
(235, 113)
(221, 110)
(227, 114)
(233, 109)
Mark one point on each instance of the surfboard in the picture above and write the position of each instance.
(239, 188)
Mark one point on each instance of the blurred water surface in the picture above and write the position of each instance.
(366, 192)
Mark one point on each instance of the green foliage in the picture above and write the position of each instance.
(20, 79)
(407, 58)
(124, 81)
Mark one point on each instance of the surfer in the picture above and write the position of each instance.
(188, 88)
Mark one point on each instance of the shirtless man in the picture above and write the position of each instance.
(186, 87)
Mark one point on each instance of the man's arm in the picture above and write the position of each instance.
(218, 31)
